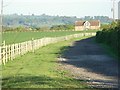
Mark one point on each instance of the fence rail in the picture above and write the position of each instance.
(10, 52)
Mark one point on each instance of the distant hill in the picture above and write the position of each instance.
(43, 20)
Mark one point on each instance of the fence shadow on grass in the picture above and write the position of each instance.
(29, 81)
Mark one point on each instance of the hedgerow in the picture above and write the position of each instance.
(110, 36)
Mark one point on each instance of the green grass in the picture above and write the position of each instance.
(111, 51)
(90, 31)
(40, 70)
(16, 37)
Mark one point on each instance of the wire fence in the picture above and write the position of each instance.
(10, 52)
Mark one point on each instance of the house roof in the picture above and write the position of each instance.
(79, 23)
(92, 23)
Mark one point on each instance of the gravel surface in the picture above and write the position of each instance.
(88, 61)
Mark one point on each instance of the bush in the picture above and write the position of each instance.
(110, 36)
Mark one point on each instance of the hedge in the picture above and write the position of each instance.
(110, 37)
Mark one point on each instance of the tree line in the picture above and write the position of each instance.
(44, 20)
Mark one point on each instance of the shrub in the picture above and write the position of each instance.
(110, 36)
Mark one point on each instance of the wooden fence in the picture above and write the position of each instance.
(10, 52)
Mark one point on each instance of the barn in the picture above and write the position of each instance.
(87, 25)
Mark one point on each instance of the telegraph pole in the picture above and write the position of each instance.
(1, 29)
(113, 10)
(1, 22)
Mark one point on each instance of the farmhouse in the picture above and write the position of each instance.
(86, 25)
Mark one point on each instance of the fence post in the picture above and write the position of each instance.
(26, 46)
(19, 48)
(9, 50)
(4, 53)
(66, 38)
(0, 55)
(12, 52)
(41, 43)
(33, 45)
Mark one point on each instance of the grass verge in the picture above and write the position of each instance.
(112, 52)
(39, 70)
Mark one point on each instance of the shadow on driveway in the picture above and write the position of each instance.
(90, 60)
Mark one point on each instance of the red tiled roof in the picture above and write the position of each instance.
(94, 23)
(79, 23)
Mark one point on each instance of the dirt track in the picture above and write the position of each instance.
(87, 61)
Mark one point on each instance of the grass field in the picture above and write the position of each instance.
(40, 70)
(16, 37)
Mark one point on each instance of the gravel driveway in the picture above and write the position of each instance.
(88, 61)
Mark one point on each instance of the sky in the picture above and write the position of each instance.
(79, 8)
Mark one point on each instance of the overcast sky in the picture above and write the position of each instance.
(79, 8)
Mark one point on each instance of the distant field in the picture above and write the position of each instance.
(16, 37)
